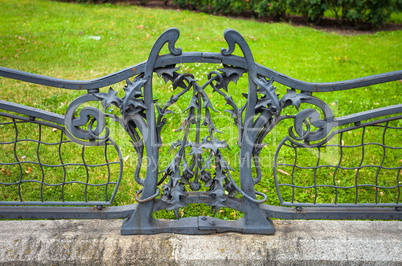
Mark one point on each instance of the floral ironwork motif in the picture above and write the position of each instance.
(198, 161)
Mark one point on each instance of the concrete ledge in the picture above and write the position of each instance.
(295, 242)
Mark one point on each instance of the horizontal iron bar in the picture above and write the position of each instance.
(23, 212)
(198, 57)
(60, 203)
(11, 212)
(31, 111)
(331, 213)
(341, 205)
(358, 117)
(126, 211)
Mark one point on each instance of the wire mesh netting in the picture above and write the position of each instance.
(39, 165)
(359, 165)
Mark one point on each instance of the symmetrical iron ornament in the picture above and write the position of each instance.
(199, 161)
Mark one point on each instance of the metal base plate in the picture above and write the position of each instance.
(201, 225)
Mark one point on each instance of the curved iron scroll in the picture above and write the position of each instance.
(199, 161)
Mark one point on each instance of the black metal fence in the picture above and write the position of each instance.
(321, 154)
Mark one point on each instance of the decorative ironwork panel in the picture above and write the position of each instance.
(308, 162)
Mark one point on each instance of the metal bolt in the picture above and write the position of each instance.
(212, 223)
(203, 218)
(298, 208)
(99, 207)
(398, 209)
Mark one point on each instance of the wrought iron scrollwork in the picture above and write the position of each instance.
(198, 162)
(195, 166)
(74, 124)
(131, 108)
(308, 117)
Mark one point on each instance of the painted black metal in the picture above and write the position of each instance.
(254, 120)
(119, 212)
(197, 57)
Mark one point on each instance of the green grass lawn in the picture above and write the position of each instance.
(82, 42)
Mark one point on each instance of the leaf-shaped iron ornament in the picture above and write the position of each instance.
(292, 98)
(132, 109)
(111, 98)
(308, 117)
(189, 154)
(270, 100)
(131, 103)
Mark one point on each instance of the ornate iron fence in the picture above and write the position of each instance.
(199, 157)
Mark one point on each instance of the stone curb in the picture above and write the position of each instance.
(98, 242)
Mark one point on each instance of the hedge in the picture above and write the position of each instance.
(350, 13)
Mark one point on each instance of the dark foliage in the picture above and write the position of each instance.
(348, 13)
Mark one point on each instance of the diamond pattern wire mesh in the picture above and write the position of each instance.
(331, 173)
(39, 165)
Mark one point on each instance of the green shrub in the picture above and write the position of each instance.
(357, 12)
(180, 3)
(311, 10)
(352, 13)
(221, 6)
(274, 9)
(237, 7)
(379, 12)
(211, 6)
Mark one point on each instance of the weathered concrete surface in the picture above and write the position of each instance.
(295, 242)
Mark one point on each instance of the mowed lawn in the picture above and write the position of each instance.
(82, 42)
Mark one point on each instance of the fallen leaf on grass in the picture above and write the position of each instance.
(96, 38)
(283, 172)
